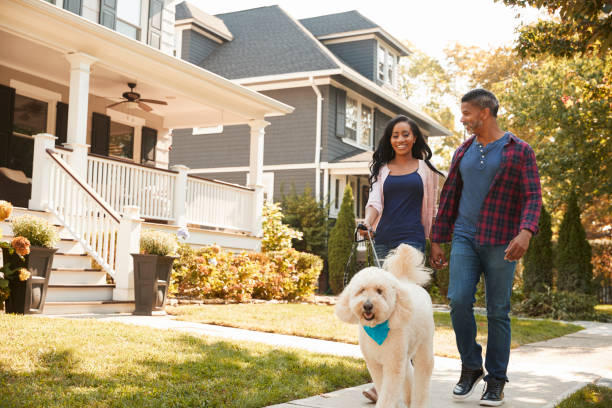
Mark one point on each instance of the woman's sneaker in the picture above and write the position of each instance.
(493, 395)
(467, 382)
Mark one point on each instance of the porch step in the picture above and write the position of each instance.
(77, 276)
(67, 260)
(80, 293)
(99, 307)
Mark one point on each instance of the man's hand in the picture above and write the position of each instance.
(518, 246)
(438, 260)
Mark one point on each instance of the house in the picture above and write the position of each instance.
(339, 71)
(90, 91)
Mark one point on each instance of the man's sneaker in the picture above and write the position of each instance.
(493, 395)
(467, 382)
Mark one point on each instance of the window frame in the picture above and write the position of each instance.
(361, 102)
(121, 20)
(390, 63)
(129, 120)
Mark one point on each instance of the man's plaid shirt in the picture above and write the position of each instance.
(513, 202)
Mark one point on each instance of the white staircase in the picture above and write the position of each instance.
(76, 284)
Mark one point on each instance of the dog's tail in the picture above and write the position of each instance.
(408, 263)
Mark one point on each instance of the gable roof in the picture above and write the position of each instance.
(347, 24)
(337, 23)
(269, 42)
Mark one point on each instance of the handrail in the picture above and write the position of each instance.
(225, 183)
(92, 193)
(131, 162)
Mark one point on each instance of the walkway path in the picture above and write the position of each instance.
(541, 374)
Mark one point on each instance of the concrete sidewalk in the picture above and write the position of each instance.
(541, 374)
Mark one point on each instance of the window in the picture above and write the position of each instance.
(381, 63)
(390, 68)
(352, 117)
(121, 140)
(337, 195)
(30, 116)
(365, 136)
(128, 18)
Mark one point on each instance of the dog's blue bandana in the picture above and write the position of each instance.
(379, 332)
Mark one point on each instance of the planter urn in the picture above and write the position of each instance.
(28, 297)
(151, 280)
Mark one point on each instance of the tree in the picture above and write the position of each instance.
(581, 27)
(305, 214)
(574, 268)
(276, 235)
(538, 261)
(341, 241)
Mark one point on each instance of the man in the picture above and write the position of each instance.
(490, 205)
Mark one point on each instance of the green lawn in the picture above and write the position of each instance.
(319, 321)
(591, 396)
(87, 363)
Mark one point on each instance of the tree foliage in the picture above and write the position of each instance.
(574, 268)
(341, 241)
(578, 27)
(305, 214)
(276, 235)
(538, 261)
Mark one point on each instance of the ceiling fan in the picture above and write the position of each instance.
(134, 97)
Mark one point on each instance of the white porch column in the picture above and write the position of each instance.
(180, 196)
(77, 110)
(128, 242)
(256, 172)
(41, 168)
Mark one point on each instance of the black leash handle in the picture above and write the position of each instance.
(356, 241)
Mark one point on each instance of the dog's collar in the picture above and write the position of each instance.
(379, 332)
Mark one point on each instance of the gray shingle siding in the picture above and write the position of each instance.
(359, 55)
(337, 23)
(227, 149)
(284, 179)
(380, 122)
(195, 47)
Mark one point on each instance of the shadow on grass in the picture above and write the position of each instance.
(197, 373)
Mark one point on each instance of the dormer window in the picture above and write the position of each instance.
(387, 65)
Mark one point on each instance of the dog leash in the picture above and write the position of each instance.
(356, 241)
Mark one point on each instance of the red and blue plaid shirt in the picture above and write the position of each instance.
(513, 202)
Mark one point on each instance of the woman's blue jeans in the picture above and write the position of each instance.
(382, 250)
(467, 261)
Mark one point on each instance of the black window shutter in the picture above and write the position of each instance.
(7, 108)
(340, 112)
(108, 13)
(61, 124)
(147, 146)
(100, 132)
(156, 8)
(74, 6)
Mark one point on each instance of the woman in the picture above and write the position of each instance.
(401, 205)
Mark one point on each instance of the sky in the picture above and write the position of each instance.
(430, 25)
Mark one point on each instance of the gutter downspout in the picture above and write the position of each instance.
(318, 140)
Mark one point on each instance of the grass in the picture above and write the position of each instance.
(605, 309)
(591, 396)
(75, 363)
(318, 321)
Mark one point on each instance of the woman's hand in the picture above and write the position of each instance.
(365, 232)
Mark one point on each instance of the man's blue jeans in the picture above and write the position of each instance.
(467, 261)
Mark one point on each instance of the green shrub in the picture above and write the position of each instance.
(438, 286)
(276, 235)
(38, 231)
(574, 268)
(538, 260)
(558, 305)
(212, 273)
(341, 242)
(602, 263)
(158, 243)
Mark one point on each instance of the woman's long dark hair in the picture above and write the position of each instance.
(384, 152)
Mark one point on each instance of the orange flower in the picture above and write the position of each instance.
(6, 209)
(24, 274)
(21, 245)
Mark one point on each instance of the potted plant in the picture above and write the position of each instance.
(27, 261)
(152, 269)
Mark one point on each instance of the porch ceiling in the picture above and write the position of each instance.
(36, 36)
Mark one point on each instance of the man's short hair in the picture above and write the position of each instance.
(483, 99)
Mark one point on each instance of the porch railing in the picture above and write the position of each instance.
(121, 183)
(83, 213)
(219, 204)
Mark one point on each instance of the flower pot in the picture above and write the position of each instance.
(28, 297)
(151, 279)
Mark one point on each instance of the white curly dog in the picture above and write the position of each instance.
(391, 304)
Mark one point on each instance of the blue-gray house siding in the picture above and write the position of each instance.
(359, 55)
(195, 47)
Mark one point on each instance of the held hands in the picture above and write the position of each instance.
(518, 246)
(438, 259)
